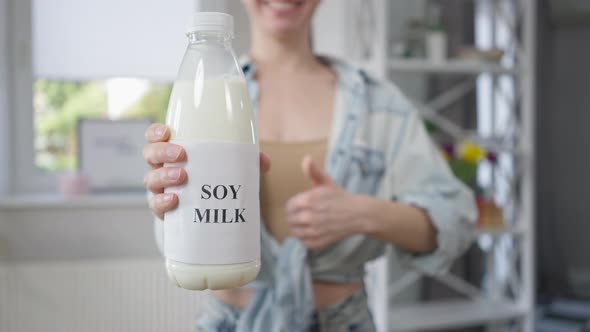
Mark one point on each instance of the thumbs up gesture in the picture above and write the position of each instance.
(324, 214)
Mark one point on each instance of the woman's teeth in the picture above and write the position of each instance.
(282, 5)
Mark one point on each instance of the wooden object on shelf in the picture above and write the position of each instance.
(490, 215)
(473, 53)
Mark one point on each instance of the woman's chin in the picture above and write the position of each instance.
(284, 29)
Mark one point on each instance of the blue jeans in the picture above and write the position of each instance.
(349, 315)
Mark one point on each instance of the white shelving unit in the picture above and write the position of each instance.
(506, 301)
(453, 314)
(449, 67)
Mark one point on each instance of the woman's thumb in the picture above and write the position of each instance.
(312, 172)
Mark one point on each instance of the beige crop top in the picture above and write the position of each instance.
(285, 179)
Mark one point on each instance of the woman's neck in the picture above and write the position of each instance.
(282, 54)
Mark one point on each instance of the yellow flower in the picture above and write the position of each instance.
(471, 153)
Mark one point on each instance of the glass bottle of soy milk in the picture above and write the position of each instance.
(212, 240)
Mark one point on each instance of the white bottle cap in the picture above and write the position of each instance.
(212, 21)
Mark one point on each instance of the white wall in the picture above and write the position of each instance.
(242, 26)
(329, 25)
(411, 84)
(83, 232)
(94, 296)
(86, 268)
(4, 114)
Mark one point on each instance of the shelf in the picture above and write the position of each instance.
(38, 201)
(451, 314)
(497, 231)
(449, 67)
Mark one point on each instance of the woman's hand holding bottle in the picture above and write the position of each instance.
(159, 151)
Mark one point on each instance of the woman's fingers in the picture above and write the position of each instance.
(303, 218)
(157, 154)
(157, 133)
(158, 179)
(264, 163)
(304, 232)
(162, 203)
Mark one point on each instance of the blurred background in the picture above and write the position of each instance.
(504, 88)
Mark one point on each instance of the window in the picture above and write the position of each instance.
(69, 59)
(87, 67)
(59, 105)
(84, 59)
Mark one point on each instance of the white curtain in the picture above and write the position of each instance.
(96, 39)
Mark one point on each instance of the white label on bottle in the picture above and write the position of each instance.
(217, 220)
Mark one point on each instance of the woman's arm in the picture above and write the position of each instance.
(418, 206)
(327, 213)
(406, 226)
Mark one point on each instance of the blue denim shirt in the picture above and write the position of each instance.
(378, 146)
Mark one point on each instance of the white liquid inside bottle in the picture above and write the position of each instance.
(212, 239)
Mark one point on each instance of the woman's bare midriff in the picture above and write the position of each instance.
(325, 294)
